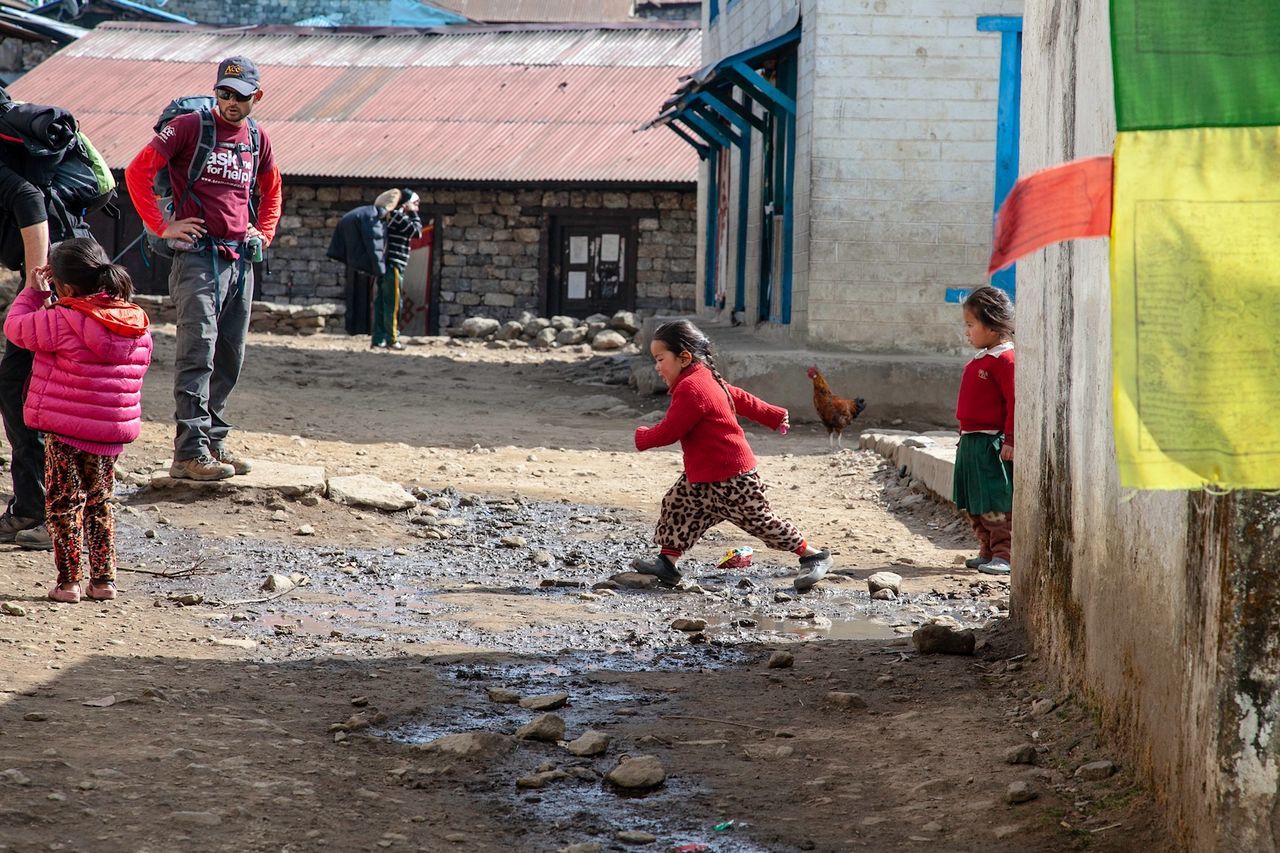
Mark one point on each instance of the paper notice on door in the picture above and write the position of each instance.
(577, 250)
(578, 284)
(609, 246)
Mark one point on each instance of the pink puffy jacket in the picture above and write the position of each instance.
(86, 383)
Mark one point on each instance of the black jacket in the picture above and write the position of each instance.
(360, 240)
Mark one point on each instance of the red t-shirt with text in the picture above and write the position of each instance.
(221, 195)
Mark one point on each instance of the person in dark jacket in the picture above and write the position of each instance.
(360, 243)
(403, 227)
(25, 232)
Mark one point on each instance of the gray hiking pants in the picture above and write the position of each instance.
(211, 332)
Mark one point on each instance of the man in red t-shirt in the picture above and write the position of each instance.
(214, 238)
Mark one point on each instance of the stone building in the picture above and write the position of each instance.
(536, 192)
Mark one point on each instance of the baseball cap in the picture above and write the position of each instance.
(239, 74)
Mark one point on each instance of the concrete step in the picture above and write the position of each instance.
(929, 457)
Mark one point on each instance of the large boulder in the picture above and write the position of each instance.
(510, 331)
(625, 321)
(608, 341)
(545, 339)
(480, 327)
(533, 327)
(560, 322)
(570, 337)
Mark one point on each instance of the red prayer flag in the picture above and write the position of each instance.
(1062, 203)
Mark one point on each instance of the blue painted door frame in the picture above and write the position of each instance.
(1008, 121)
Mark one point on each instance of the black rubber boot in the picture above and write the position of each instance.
(812, 569)
(660, 566)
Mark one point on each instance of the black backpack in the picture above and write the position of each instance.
(163, 186)
(60, 161)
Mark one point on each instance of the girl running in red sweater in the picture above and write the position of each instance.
(983, 482)
(719, 482)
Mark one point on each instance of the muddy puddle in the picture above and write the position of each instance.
(505, 576)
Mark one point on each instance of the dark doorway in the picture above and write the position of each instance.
(593, 265)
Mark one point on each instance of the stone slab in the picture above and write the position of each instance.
(288, 480)
(933, 464)
(369, 491)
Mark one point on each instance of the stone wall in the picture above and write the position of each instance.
(1159, 608)
(491, 245)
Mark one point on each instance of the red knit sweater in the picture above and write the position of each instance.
(701, 419)
(986, 395)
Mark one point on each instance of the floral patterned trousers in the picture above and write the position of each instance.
(78, 487)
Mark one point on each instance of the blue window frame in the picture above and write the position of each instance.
(715, 9)
(1008, 121)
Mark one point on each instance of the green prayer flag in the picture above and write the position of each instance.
(1196, 63)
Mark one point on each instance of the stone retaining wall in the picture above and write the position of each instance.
(264, 317)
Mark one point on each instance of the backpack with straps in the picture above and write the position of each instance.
(60, 161)
(206, 144)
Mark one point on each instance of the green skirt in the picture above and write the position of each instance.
(982, 483)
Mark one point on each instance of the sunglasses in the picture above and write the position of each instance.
(227, 95)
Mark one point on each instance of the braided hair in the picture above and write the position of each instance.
(682, 336)
(82, 265)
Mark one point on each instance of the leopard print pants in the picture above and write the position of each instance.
(78, 486)
(691, 509)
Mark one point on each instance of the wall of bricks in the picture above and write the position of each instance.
(491, 245)
(895, 167)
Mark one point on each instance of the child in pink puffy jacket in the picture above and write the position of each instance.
(92, 349)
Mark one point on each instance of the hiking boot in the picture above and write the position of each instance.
(34, 539)
(976, 562)
(100, 590)
(11, 525)
(66, 594)
(203, 467)
(813, 568)
(998, 566)
(661, 567)
(396, 345)
(236, 461)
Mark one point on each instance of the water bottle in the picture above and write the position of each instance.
(254, 245)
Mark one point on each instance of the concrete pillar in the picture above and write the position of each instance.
(1160, 609)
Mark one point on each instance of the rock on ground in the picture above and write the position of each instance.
(1022, 754)
(937, 639)
(781, 660)
(852, 701)
(885, 580)
(589, 743)
(465, 744)
(547, 727)
(1020, 792)
(367, 490)
(637, 773)
(548, 702)
(1095, 771)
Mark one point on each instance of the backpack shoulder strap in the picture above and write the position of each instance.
(204, 147)
(255, 140)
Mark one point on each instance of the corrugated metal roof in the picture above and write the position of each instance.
(670, 44)
(541, 11)
(477, 119)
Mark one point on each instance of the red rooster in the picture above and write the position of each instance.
(835, 412)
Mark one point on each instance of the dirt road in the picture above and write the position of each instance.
(299, 723)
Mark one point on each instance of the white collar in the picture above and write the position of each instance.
(993, 351)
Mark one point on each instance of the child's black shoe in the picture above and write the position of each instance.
(813, 568)
(661, 567)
